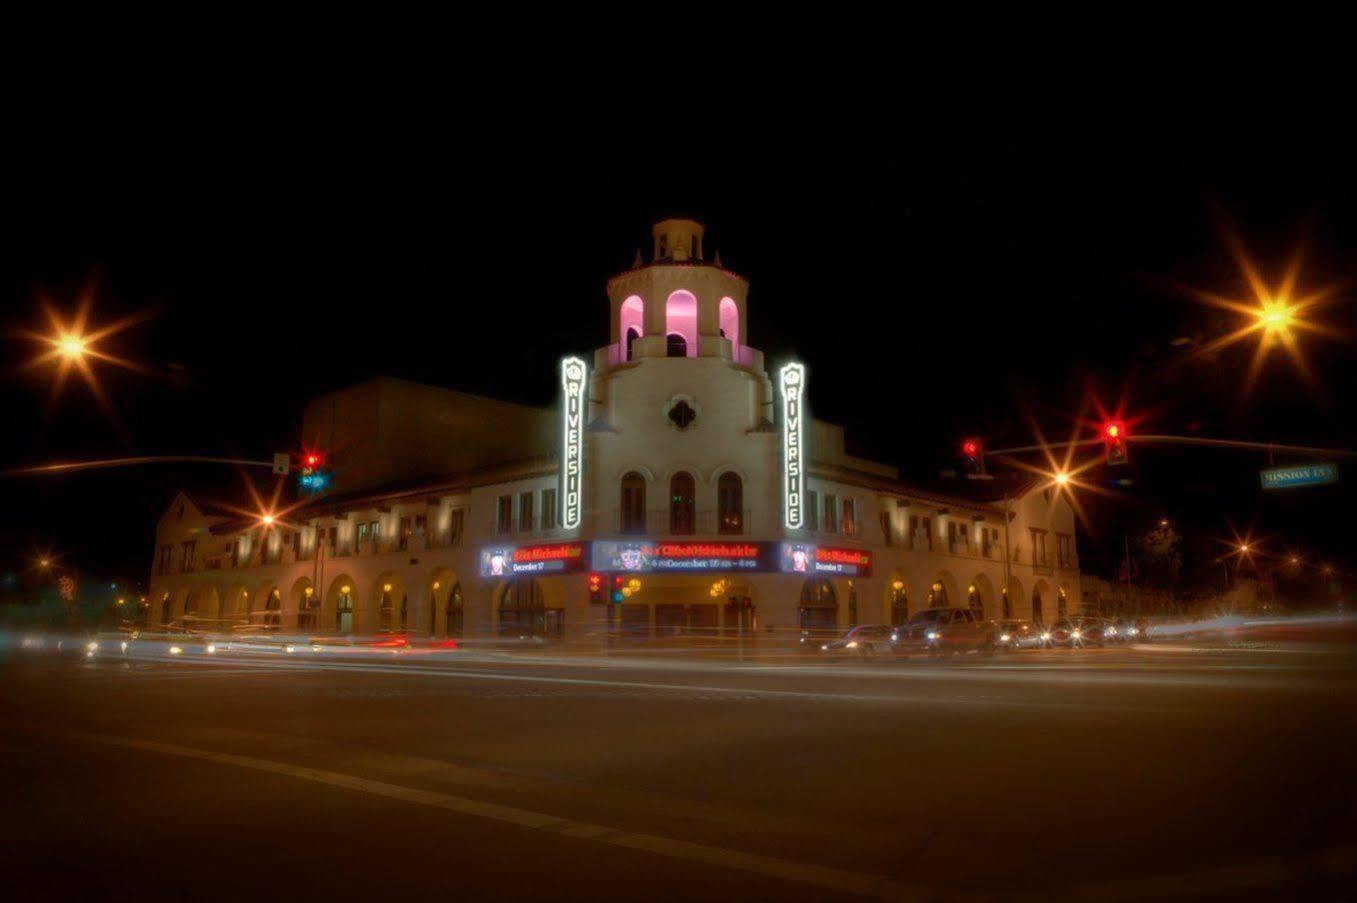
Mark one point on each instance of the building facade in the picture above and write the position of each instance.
(680, 487)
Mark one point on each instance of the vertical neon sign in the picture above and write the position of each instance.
(792, 378)
(573, 374)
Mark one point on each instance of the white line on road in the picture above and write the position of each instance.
(748, 692)
(840, 880)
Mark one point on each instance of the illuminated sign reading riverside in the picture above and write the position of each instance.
(806, 558)
(573, 384)
(792, 379)
(650, 557)
(548, 558)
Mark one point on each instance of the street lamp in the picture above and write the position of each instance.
(71, 346)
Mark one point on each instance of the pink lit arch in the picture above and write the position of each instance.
(680, 316)
(632, 316)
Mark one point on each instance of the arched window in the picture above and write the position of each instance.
(682, 499)
(455, 608)
(310, 607)
(937, 595)
(1008, 606)
(1036, 606)
(633, 503)
(273, 611)
(680, 319)
(730, 503)
(818, 609)
(899, 603)
(344, 611)
(190, 606)
(730, 321)
(631, 321)
(1062, 604)
(522, 610)
(676, 346)
(973, 598)
(385, 609)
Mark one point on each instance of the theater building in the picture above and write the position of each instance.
(680, 487)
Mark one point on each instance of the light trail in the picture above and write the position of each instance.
(73, 466)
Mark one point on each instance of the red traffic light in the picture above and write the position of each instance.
(970, 448)
(1114, 429)
(595, 582)
(312, 460)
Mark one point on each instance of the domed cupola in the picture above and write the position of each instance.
(678, 304)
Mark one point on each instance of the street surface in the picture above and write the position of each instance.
(1180, 770)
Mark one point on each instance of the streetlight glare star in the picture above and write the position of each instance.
(1274, 315)
(73, 345)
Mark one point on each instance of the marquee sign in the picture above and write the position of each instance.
(807, 558)
(573, 407)
(676, 557)
(792, 379)
(546, 558)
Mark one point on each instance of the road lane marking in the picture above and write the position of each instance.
(700, 689)
(826, 877)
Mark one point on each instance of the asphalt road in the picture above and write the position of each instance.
(1174, 772)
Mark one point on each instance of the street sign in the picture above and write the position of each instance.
(1319, 474)
(282, 463)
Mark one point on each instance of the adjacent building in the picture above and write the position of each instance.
(681, 486)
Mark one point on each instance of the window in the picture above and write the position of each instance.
(1039, 558)
(1008, 606)
(405, 528)
(549, 510)
(188, 551)
(682, 499)
(831, 513)
(812, 519)
(455, 518)
(344, 611)
(730, 503)
(682, 414)
(166, 556)
(886, 535)
(273, 611)
(676, 346)
(308, 610)
(633, 503)
(819, 605)
(632, 336)
(525, 511)
(973, 600)
(1062, 603)
(504, 514)
(899, 603)
(522, 610)
(332, 539)
(385, 610)
(454, 610)
(937, 595)
(850, 516)
(1064, 550)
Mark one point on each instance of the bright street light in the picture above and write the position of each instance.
(71, 346)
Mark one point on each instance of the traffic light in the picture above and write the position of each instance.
(312, 476)
(1114, 442)
(974, 453)
(619, 584)
(596, 589)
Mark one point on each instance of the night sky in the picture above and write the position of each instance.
(934, 289)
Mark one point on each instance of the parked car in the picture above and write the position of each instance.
(1082, 631)
(1020, 635)
(812, 640)
(946, 630)
(863, 641)
(1130, 630)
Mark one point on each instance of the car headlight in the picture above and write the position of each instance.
(1133, 630)
(1078, 634)
(852, 644)
(932, 634)
(895, 637)
(803, 639)
(1111, 631)
(1046, 636)
(1004, 638)
(91, 646)
(824, 648)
